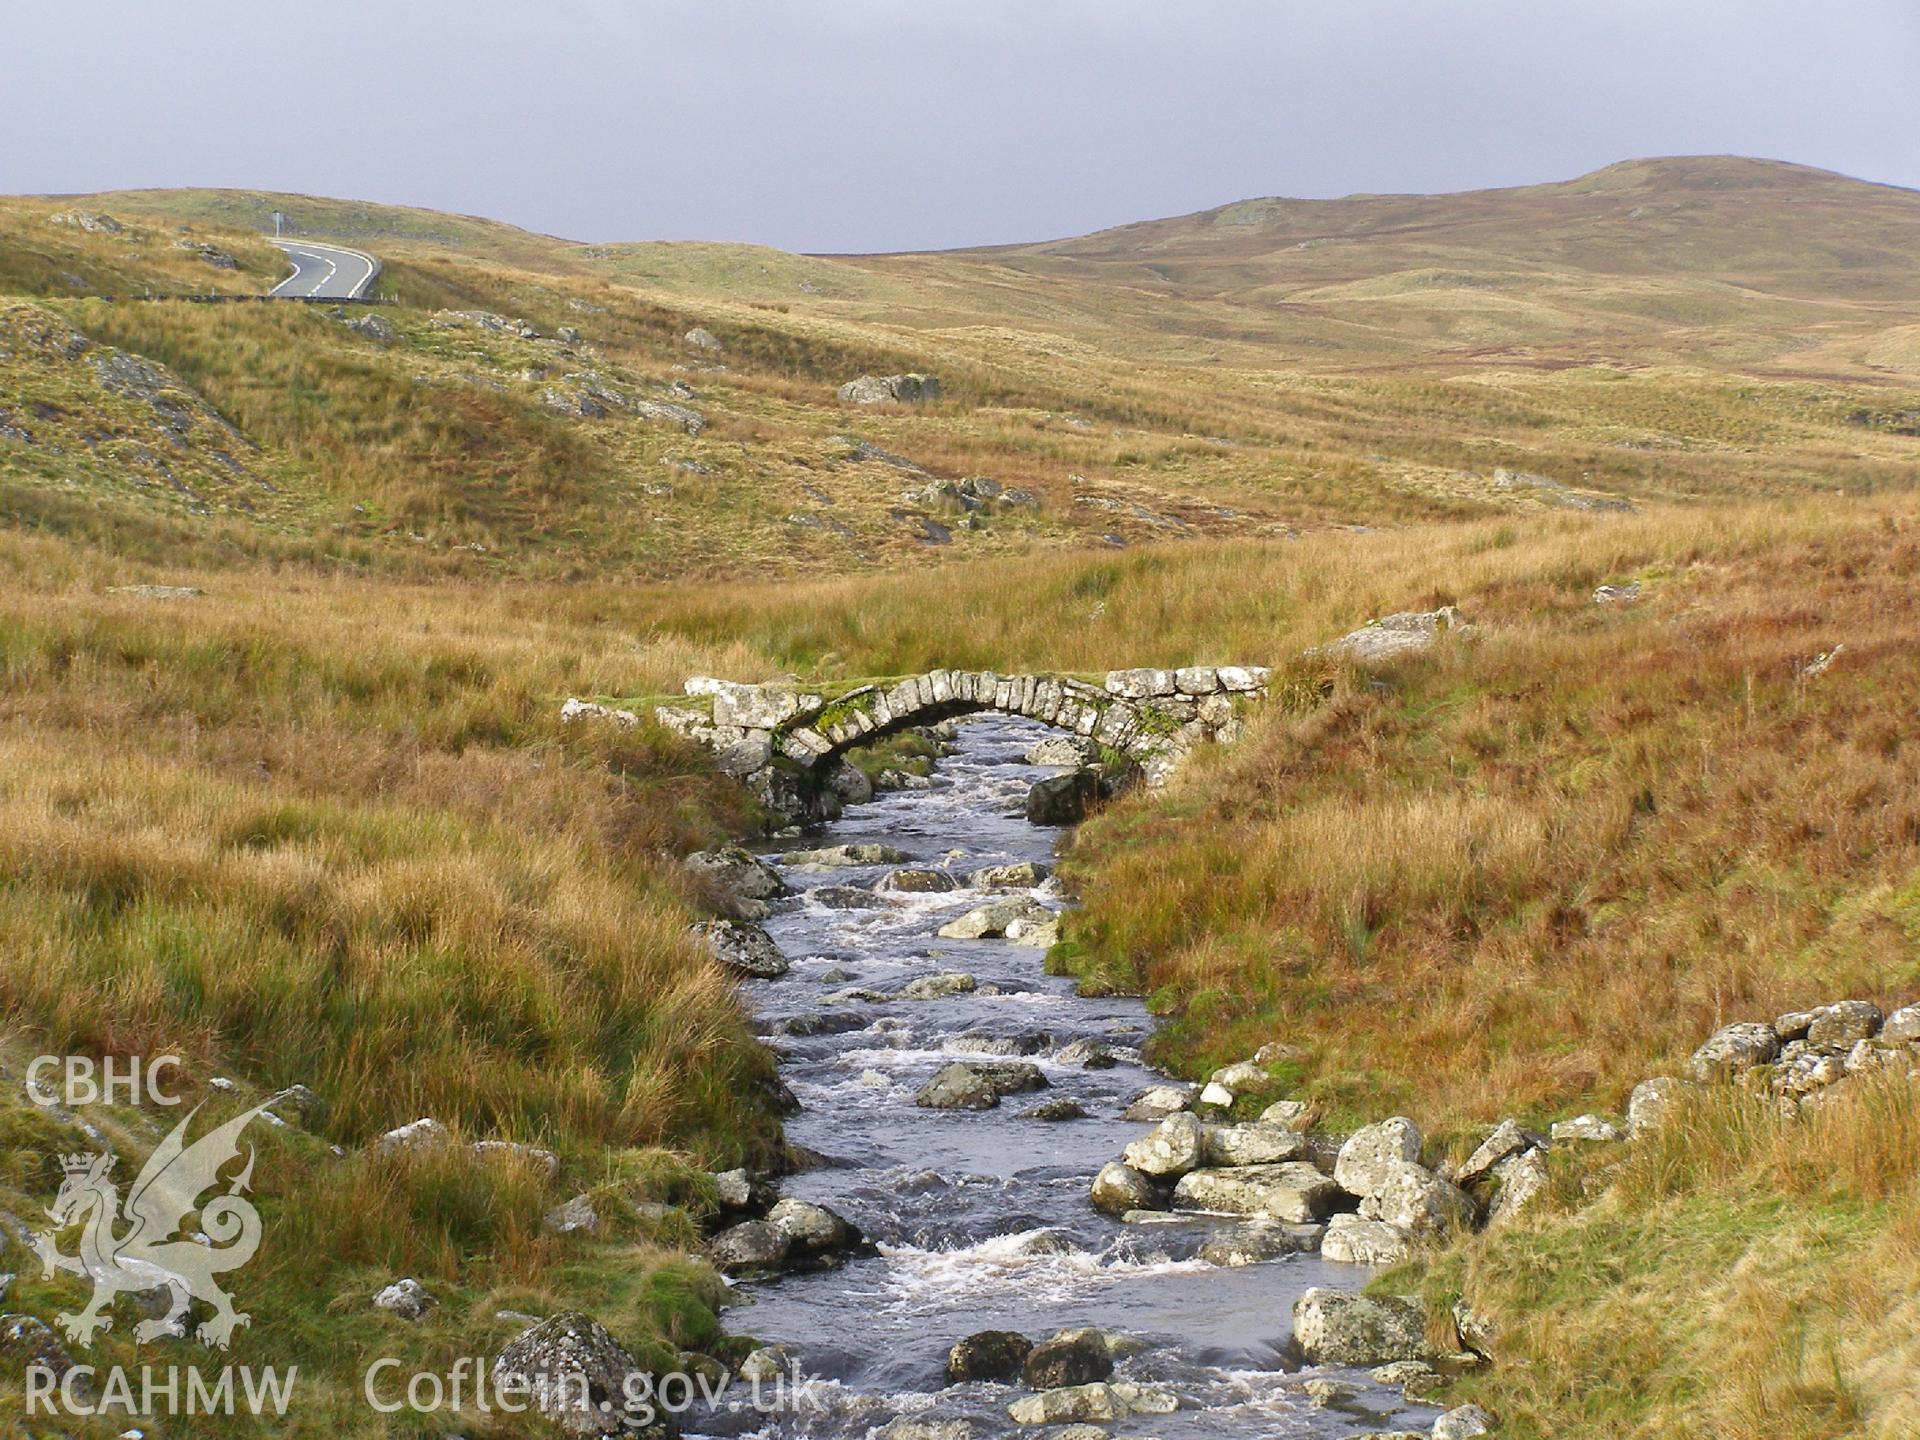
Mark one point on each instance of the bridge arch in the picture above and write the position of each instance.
(782, 741)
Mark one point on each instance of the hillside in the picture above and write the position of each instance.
(1664, 331)
(1727, 263)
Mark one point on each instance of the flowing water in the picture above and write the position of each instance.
(981, 1217)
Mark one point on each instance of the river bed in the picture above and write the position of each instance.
(981, 1217)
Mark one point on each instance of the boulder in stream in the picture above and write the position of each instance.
(1062, 799)
(978, 1084)
(1118, 1189)
(990, 921)
(1022, 876)
(846, 897)
(843, 857)
(1338, 1327)
(746, 949)
(1058, 1108)
(1099, 1402)
(989, 1355)
(753, 1247)
(1088, 1054)
(1294, 1191)
(936, 987)
(1260, 1144)
(1175, 1146)
(1259, 1242)
(815, 1235)
(917, 880)
(1157, 1102)
(1079, 1358)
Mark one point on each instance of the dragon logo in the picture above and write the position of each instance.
(153, 1254)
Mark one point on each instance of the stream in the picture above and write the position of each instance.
(981, 1217)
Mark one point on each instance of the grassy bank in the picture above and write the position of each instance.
(301, 837)
(1544, 861)
(1739, 1276)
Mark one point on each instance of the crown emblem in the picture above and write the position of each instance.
(77, 1164)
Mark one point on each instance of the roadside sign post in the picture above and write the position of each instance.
(279, 221)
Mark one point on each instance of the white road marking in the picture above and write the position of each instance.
(328, 255)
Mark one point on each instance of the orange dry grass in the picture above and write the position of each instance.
(1540, 864)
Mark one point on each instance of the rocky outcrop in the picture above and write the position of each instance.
(1365, 1157)
(1393, 637)
(913, 389)
(1230, 1082)
(1521, 1181)
(1596, 1128)
(406, 1298)
(1733, 1049)
(1463, 1422)
(1509, 1138)
(1256, 1144)
(1652, 1105)
(1799, 1056)
(1413, 1200)
(974, 495)
(1157, 1102)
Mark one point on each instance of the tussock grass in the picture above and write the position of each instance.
(1741, 1275)
(304, 831)
(1543, 863)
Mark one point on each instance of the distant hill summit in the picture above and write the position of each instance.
(1710, 261)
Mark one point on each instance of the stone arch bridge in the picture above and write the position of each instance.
(783, 741)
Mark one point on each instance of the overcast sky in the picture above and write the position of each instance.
(911, 124)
